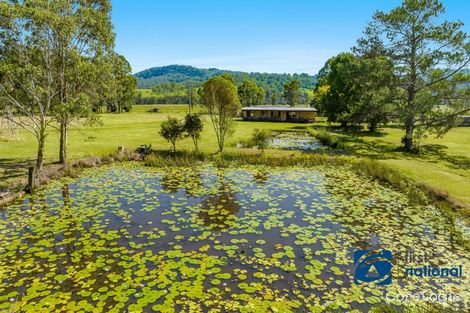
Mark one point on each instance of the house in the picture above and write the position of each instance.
(465, 121)
(279, 114)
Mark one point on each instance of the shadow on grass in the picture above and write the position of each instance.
(382, 150)
(10, 170)
(436, 151)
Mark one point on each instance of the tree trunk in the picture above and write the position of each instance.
(373, 127)
(408, 139)
(40, 154)
(196, 147)
(174, 146)
(221, 143)
(63, 142)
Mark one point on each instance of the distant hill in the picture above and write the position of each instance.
(182, 74)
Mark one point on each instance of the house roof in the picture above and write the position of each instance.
(279, 108)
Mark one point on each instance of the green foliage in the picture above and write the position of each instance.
(328, 139)
(180, 158)
(260, 138)
(356, 90)
(61, 43)
(121, 85)
(193, 126)
(220, 98)
(429, 55)
(172, 130)
(250, 94)
(336, 89)
(181, 74)
(291, 92)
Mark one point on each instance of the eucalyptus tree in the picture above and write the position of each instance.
(430, 56)
(27, 59)
(220, 97)
(81, 33)
(52, 55)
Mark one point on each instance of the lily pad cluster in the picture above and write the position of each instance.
(251, 239)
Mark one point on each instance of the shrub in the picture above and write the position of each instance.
(329, 139)
(193, 127)
(260, 138)
(172, 130)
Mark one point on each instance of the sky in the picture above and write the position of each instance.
(274, 36)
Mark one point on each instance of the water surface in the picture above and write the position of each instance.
(254, 239)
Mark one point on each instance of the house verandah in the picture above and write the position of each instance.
(279, 114)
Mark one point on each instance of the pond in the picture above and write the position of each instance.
(206, 239)
(295, 141)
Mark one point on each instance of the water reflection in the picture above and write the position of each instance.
(189, 180)
(261, 176)
(219, 210)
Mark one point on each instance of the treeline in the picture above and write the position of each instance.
(175, 93)
(182, 74)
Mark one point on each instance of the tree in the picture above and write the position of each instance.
(121, 85)
(27, 61)
(80, 45)
(291, 92)
(139, 98)
(274, 98)
(335, 90)
(373, 78)
(250, 94)
(172, 130)
(220, 97)
(260, 138)
(193, 126)
(429, 55)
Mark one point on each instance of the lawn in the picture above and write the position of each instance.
(444, 163)
(127, 129)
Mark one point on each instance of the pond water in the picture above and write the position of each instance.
(295, 141)
(249, 239)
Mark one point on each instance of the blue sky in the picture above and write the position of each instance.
(277, 36)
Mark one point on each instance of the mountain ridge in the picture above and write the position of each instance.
(185, 73)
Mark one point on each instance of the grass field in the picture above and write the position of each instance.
(444, 163)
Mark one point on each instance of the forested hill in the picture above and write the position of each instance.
(183, 74)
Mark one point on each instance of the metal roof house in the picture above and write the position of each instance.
(279, 114)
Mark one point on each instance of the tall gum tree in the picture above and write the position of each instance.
(27, 71)
(430, 58)
(82, 35)
(220, 97)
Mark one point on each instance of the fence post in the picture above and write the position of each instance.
(31, 179)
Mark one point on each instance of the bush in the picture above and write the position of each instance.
(260, 138)
(328, 139)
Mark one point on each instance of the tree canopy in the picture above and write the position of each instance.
(250, 94)
(429, 55)
(291, 92)
(220, 97)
